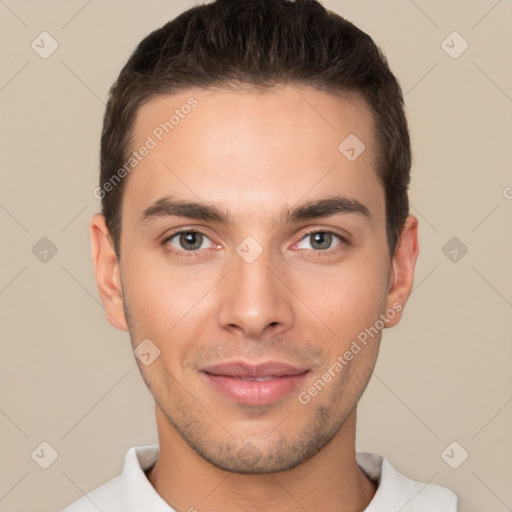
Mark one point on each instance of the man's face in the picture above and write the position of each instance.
(249, 315)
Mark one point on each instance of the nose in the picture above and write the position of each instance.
(255, 302)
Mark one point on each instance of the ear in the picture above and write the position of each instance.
(402, 270)
(106, 269)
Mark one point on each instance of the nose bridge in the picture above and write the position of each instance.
(254, 299)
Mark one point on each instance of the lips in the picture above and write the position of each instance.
(250, 384)
(241, 370)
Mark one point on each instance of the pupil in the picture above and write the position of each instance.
(188, 238)
(323, 239)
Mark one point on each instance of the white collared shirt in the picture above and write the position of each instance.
(131, 491)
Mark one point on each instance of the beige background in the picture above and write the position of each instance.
(444, 374)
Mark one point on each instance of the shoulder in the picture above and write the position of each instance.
(130, 491)
(397, 491)
(105, 497)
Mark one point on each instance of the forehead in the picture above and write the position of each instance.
(252, 152)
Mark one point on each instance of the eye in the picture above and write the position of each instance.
(321, 240)
(187, 240)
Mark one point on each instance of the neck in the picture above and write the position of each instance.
(330, 480)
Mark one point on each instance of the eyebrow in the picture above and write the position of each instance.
(319, 208)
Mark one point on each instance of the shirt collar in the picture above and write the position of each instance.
(394, 490)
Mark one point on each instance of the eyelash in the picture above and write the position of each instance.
(344, 243)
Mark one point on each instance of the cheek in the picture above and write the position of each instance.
(165, 301)
(151, 294)
(346, 299)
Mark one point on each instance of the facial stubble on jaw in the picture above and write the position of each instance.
(236, 454)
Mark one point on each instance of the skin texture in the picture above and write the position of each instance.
(255, 155)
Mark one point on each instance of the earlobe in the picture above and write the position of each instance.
(402, 270)
(106, 269)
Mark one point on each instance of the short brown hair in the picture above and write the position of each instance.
(261, 43)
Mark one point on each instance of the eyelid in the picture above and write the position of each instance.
(183, 229)
(344, 240)
(182, 253)
(326, 229)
